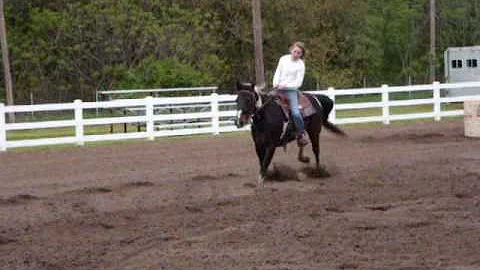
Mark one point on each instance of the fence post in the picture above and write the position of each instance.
(149, 118)
(333, 114)
(385, 105)
(3, 130)
(436, 101)
(215, 114)
(79, 122)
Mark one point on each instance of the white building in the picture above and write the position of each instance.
(462, 64)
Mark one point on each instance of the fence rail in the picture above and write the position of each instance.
(218, 118)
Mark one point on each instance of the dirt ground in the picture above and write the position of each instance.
(399, 197)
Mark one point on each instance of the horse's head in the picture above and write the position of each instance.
(247, 102)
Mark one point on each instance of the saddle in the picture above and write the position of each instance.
(305, 104)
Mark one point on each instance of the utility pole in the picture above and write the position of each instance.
(432, 58)
(6, 63)
(258, 42)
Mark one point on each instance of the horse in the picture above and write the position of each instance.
(270, 125)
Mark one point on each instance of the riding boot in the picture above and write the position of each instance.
(302, 138)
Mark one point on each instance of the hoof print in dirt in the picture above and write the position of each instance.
(107, 226)
(140, 184)
(6, 241)
(419, 224)
(320, 172)
(193, 209)
(464, 194)
(91, 190)
(345, 266)
(281, 173)
(249, 185)
(384, 207)
(232, 175)
(18, 199)
(204, 177)
(334, 209)
(207, 177)
(225, 203)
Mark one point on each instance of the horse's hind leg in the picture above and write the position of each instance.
(301, 157)
(319, 170)
(314, 138)
(313, 131)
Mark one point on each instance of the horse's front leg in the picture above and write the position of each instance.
(268, 152)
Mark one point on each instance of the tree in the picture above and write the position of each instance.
(258, 42)
(432, 40)
(6, 62)
(66, 49)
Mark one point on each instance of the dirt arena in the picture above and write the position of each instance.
(399, 197)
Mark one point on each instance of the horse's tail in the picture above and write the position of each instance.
(327, 106)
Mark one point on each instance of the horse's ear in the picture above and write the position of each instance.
(238, 85)
(251, 85)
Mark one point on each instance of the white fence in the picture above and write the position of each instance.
(158, 122)
(436, 100)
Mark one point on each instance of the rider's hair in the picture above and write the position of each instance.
(300, 45)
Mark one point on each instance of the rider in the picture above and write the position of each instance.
(288, 78)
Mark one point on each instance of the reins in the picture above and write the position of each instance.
(255, 95)
(256, 99)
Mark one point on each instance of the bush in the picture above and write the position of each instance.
(167, 73)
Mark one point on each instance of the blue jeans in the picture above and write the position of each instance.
(292, 95)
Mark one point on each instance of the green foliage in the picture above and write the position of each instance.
(67, 49)
(163, 74)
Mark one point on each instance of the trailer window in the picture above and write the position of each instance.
(457, 63)
(472, 63)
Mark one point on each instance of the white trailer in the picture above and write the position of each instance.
(462, 65)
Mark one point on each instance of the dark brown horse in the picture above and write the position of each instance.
(269, 129)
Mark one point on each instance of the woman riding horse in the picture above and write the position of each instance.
(287, 80)
(269, 129)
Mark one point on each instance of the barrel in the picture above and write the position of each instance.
(471, 110)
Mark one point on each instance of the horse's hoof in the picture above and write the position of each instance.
(324, 172)
(301, 176)
(320, 172)
(260, 182)
(304, 159)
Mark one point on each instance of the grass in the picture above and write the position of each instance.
(378, 97)
(397, 110)
(66, 131)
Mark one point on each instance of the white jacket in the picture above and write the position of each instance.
(289, 73)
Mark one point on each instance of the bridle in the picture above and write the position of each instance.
(253, 101)
(251, 98)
